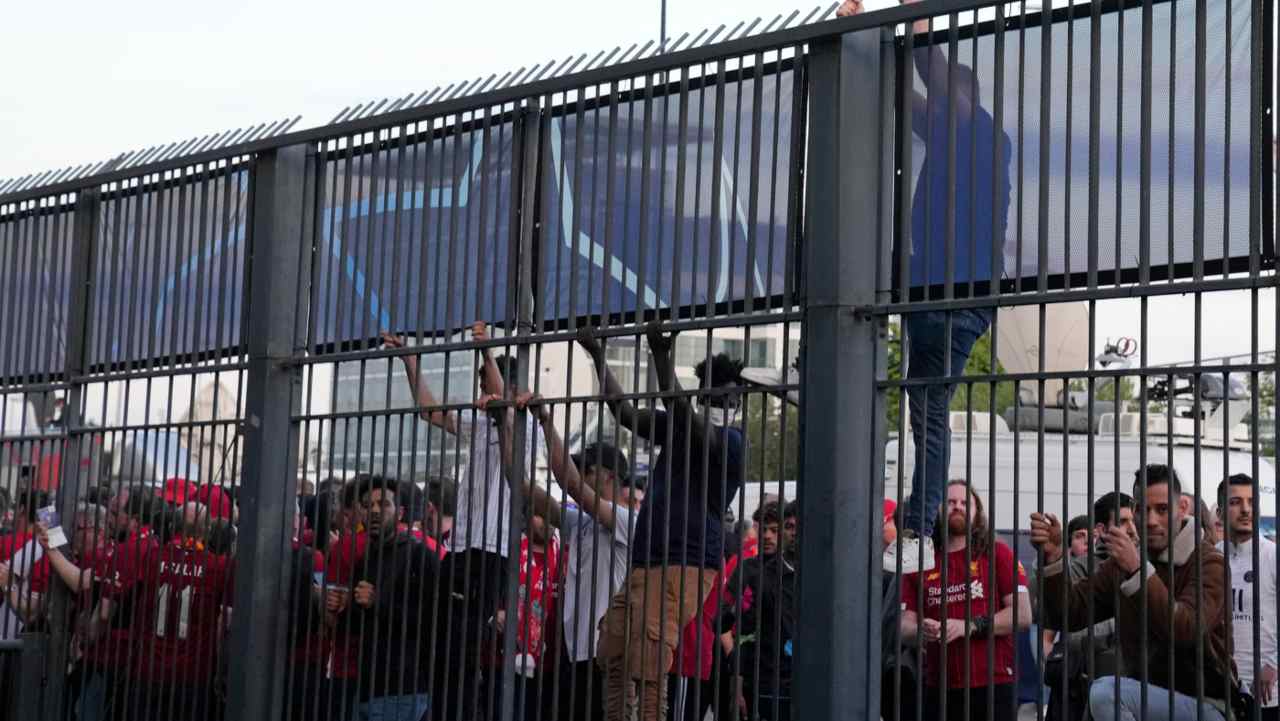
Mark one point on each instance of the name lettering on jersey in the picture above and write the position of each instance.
(187, 570)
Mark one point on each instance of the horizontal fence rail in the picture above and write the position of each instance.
(573, 393)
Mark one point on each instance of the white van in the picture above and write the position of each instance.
(1056, 476)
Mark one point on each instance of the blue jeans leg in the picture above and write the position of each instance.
(409, 707)
(929, 405)
(1104, 692)
(92, 704)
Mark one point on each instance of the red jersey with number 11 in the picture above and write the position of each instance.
(184, 591)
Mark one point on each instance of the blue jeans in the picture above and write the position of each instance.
(92, 704)
(930, 405)
(1102, 703)
(409, 707)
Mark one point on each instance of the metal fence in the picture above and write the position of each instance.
(577, 394)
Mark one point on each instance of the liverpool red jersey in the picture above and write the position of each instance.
(968, 585)
(339, 569)
(179, 620)
(116, 576)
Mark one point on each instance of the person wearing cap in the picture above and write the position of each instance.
(598, 527)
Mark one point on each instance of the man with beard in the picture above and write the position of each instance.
(961, 621)
(390, 611)
(1239, 524)
(767, 619)
(1167, 609)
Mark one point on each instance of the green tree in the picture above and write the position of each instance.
(773, 452)
(1265, 424)
(979, 364)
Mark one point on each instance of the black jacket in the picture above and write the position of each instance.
(395, 632)
(768, 594)
(306, 615)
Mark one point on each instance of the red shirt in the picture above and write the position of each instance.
(339, 569)
(967, 583)
(179, 617)
(697, 641)
(97, 563)
(115, 576)
(538, 577)
(11, 544)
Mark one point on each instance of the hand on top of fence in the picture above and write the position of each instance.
(534, 404)
(391, 340)
(849, 8)
(589, 343)
(659, 342)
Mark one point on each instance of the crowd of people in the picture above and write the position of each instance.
(608, 596)
(398, 603)
(643, 600)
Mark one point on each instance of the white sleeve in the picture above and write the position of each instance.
(1270, 608)
(535, 444)
(623, 524)
(570, 519)
(464, 423)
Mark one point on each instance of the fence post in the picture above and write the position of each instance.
(528, 152)
(280, 207)
(850, 139)
(84, 235)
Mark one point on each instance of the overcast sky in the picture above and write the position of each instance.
(84, 81)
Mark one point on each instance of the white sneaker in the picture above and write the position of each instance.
(911, 554)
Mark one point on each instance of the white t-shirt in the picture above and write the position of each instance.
(598, 561)
(483, 518)
(1243, 615)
